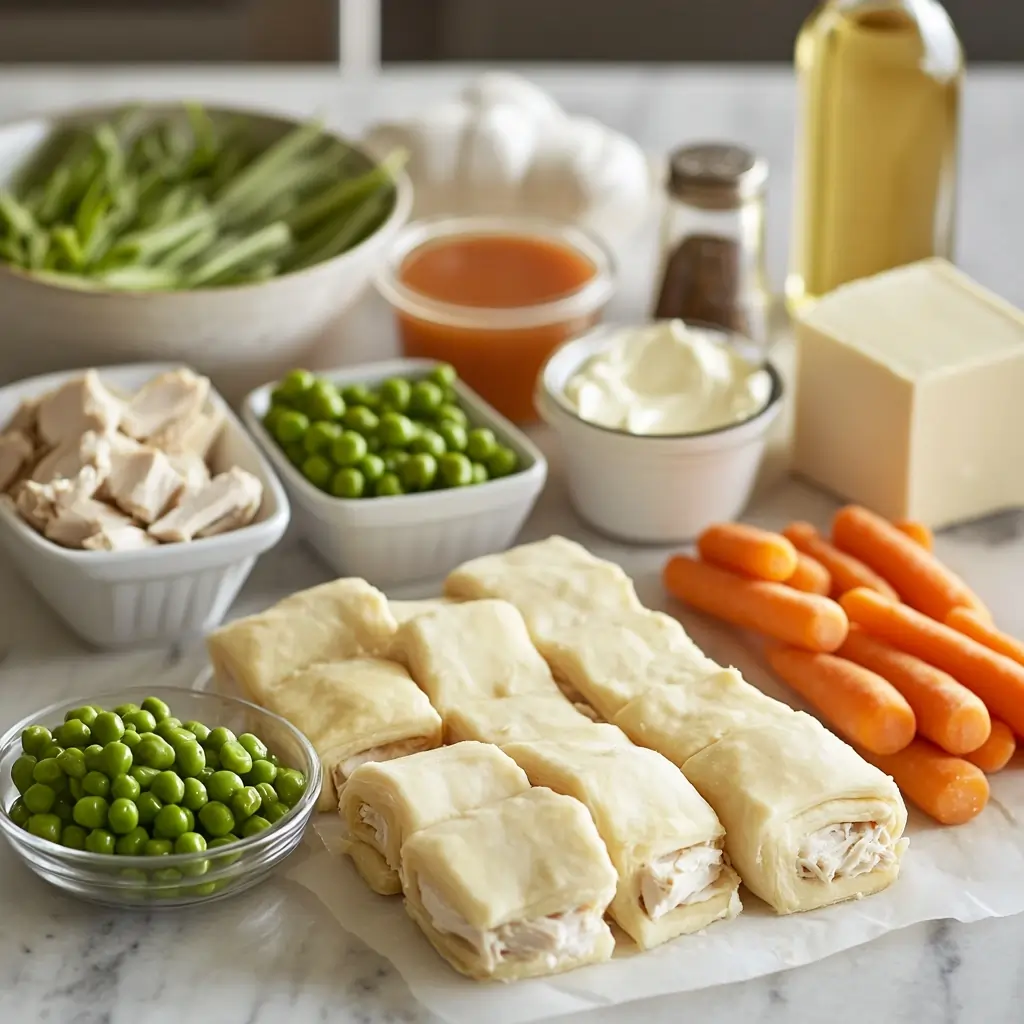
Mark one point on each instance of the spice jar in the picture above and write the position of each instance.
(713, 240)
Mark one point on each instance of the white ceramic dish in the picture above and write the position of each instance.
(645, 489)
(153, 597)
(410, 538)
(232, 334)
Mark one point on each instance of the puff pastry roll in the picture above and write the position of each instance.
(344, 619)
(808, 821)
(513, 890)
(665, 841)
(523, 717)
(403, 611)
(384, 803)
(472, 651)
(355, 711)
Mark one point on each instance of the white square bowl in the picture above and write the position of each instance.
(153, 597)
(408, 538)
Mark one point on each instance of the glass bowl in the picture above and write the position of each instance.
(174, 880)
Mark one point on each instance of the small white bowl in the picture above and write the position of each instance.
(651, 489)
(153, 597)
(408, 538)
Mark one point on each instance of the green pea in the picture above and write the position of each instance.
(73, 837)
(149, 806)
(170, 821)
(444, 375)
(291, 426)
(72, 763)
(53, 750)
(45, 826)
(96, 784)
(94, 758)
(348, 483)
(130, 738)
(108, 728)
(154, 752)
(225, 859)
(419, 472)
(125, 709)
(168, 787)
(117, 758)
(74, 733)
(123, 816)
(190, 820)
(189, 842)
(395, 393)
(348, 449)
(449, 413)
(207, 773)
(396, 430)
(362, 420)
(90, 812)
(75, 788)
(178, 735)
(39, 798)
(323, 401)
(167, 726)
(317, 470)
(253, 745)
(388, 486)
(195, 795)
(268, 795)
(217, 818)
(480, 474)
(357, 394)
(393, 459)
(425, 398)
(262, 772)
(143, 775)
(290, 785)
(124, 787)
(19, 813)
(190, 759)
(296, 383)
(223, 785)
(49, 773)
(320, 436)
(429, 442)
(372, 468)
(100, 840)
(132, 844)
(254, 825)
(218, 737)
(200, 731)
(35, 739)
(212, 760)
(275, 811)
(481, 444)
(245, 803)
(503, 462)
(235, 758)
(455, 470)
(158, 848)
(86, 715)
(22, 772)
(140, 720)
(453, 435)
(157, 708)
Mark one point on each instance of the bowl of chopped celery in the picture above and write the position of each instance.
(219, 237)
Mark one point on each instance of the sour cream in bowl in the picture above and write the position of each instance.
(663, 426)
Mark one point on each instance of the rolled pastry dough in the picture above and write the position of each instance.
(513, 890)
(777, 784)
(372, 867)
(384, 803)
(523, 717)
(344, 619)
(403, 611)
(648, 816)
(472, 651)
(363, 709)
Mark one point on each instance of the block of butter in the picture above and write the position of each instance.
(910, 395)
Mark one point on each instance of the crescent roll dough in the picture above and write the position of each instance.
(384, 803)
(665, 841)
(513, 890)
(523, 717)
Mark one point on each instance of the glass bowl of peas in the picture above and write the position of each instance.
(155, 797)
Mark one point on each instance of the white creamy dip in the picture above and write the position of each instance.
(667, 379)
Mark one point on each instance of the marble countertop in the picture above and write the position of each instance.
(275, 954)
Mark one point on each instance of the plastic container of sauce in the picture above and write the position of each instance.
(495, 296)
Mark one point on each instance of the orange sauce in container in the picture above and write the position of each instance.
(494, 297)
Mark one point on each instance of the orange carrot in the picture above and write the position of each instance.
(746, 549)
(810, 576)
(979, 627)
(948, 788)
(994, 755)
(856, 702)
(917, 532)
(947, 712)
(803, 620)
(847, 572)
(918, 576)
(997, 680)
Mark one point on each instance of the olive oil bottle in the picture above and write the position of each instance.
(876, 162)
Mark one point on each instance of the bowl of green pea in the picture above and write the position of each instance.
(155, 797)
(396, 471)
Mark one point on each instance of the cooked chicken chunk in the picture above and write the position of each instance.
(83, 518)
(143, 483)
(24, 418)
(67, 460)
(234, 495)
(191, 468)
(16, 451)
(78, 406)
(119, 538)
(172, 397)
(194, 434)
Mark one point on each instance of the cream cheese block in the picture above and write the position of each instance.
(910, 395)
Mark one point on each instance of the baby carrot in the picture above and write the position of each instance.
(995, 753)
(803, 620)
(978, 627)
(947, 712)
(997, 680)
(746, 549)
(948, 788)
(856, 702)
(917, 532)
(847, 572)
(810, 576)
(918, 576)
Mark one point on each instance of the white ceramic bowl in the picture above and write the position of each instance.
(656, 490)
(119, 599)
(410, 538)
(238, 335)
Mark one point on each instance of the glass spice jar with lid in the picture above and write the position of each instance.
(712, 256)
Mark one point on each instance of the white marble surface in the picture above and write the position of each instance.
(274, 955)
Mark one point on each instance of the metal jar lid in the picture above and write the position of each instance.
(716, 176)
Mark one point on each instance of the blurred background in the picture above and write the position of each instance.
(301, 31)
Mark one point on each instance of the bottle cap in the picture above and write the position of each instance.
(716, 176)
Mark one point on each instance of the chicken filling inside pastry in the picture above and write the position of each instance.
(680, 879)
(845, 851)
